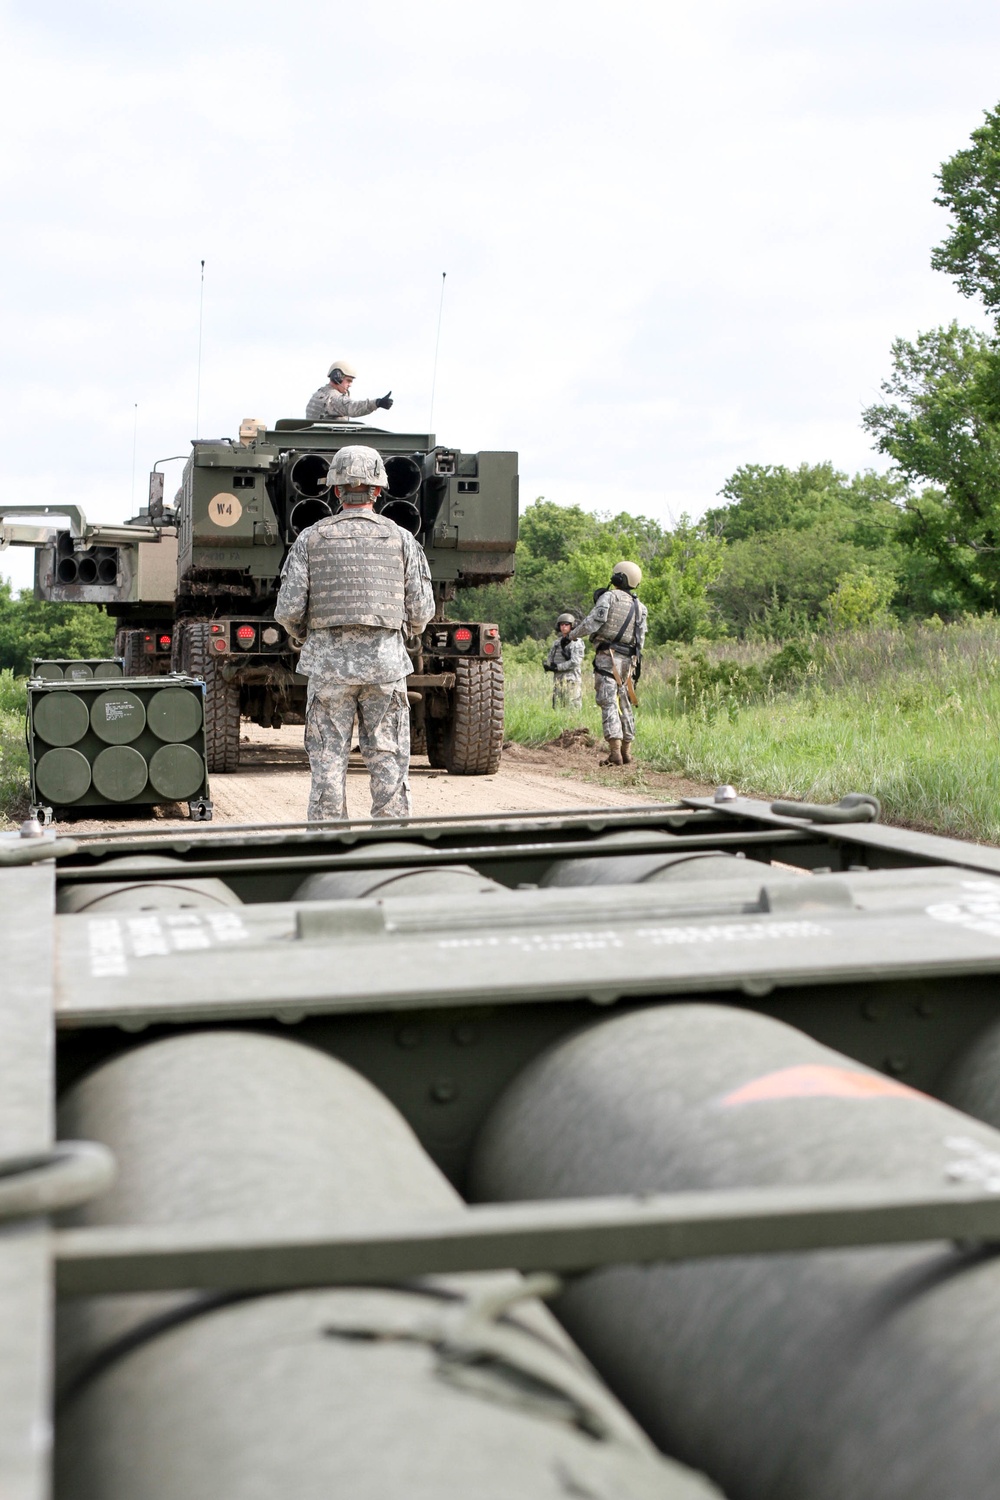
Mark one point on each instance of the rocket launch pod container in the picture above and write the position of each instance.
(131, 742)
(357, 1080)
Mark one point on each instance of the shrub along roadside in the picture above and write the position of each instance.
(13, 751)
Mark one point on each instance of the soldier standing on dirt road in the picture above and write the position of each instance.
(565, 661)
(353, 587)
(331, 402)
(617, 626)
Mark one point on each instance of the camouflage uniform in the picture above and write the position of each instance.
(565, 658)
(357, 671)
(328, 405)
(617, 718)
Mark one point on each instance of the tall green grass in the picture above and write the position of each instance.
(13, 753)
(912, 715)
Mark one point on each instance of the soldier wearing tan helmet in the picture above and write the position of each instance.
(617, 626)
(565, 662)
(354, 586)
(331, 403)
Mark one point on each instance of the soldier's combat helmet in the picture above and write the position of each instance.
(339, 369)
(355, 467)
(566, 619)
(626, 575)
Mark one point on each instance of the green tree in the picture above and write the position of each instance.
(679, 568)
(765, 498)
(32, 627)
(794, 533)
(545, 582)
(937, 426)
(552, 533)
(970, 190)
(564, 553)
(777, 584)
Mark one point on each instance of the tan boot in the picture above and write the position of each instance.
(614, 753)
(626, 758)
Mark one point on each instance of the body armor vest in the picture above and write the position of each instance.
(355, 572)
(622, 607)
(316, 407)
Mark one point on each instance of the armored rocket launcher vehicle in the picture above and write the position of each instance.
(193, 585)
(647, 1154)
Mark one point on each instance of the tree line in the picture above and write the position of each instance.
(790, 551)
(31, 627)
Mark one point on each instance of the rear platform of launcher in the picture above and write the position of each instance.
(338, 1110)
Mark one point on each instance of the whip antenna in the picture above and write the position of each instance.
(201, 320)
(437, 345)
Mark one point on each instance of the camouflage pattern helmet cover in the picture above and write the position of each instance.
(566, 619)
(630, 571)
(357, 466)
(344, 366)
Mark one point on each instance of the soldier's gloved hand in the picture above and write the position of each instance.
(547, 667)
(385, 400)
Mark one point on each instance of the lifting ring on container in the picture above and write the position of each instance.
(49, 1181)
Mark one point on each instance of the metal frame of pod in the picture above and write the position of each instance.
(138, 743)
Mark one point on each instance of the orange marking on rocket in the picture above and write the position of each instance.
(818, 1081)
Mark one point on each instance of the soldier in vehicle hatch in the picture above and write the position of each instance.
(331, 403)
(617, 626)
(565, 662)
(354, 586)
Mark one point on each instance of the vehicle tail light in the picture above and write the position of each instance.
(245, 636)
(491, 632)
(149, 643)
(462, 638)
(489, 648)
(218, 630)
(220, 644)
(164, 643)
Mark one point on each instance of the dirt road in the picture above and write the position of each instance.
(272, 786)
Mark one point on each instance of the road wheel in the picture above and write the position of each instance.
(475, 736)
(222, 698)
(128, 645)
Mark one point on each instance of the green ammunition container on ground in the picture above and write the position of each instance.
(137, 743)
(76, 669)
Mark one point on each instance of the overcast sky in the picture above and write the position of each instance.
(678, 236)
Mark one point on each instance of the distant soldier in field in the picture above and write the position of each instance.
(331, 403)
(565, 662)
(354, 586)
(617, 626)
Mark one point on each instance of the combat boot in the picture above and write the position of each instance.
(614, 753)
(626, 758)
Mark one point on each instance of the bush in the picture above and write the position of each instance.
(13, 751)
(526, 653)
(789, 667)
(704, 686)
(862, 597)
